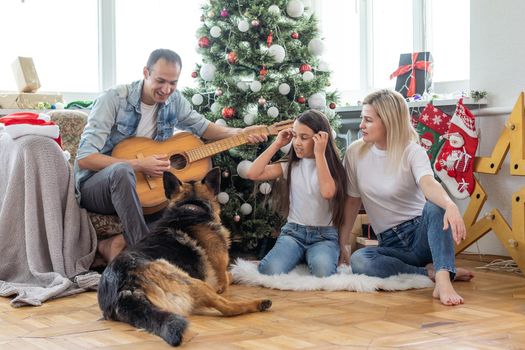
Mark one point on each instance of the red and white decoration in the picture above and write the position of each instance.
(25, 123)
(455, 162)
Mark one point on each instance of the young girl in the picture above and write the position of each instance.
(315, 193)
(390, 174)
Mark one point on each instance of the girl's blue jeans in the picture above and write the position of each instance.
(408, 247)
(317, 246)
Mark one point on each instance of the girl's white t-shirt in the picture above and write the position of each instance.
(307, 206)
(148, 121)
(389, 197)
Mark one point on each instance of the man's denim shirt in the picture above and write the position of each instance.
(115, 116)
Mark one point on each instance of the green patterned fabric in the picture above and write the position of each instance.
(71, 124)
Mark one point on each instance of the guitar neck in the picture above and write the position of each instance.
(215, 147)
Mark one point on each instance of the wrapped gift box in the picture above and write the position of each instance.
(25, 74)
(414, 75)
(28, 100)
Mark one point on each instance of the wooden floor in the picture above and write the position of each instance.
(493, 317)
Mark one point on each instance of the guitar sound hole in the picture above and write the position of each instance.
(178, 161)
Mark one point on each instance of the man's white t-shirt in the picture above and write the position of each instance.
(148, 121)
(390, 197)
(307, 206)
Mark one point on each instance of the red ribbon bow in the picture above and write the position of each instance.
(421, 65)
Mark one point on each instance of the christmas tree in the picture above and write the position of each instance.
(260, 65)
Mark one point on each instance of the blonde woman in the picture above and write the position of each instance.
(416, 221)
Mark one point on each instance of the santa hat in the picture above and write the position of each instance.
(428, 136)
(26, 123)
(465, 120)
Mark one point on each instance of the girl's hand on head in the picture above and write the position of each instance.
(284, 137)
(320, 142)
(454, 219)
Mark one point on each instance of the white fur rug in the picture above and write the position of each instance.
(300, 279)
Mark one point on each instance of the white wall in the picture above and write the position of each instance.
(497, 65)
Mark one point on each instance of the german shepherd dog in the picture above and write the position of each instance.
(179, 267)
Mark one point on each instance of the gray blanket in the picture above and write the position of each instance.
(47, 242)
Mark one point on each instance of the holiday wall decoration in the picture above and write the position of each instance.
(454, 164)
(512, 237)
(261, 64)
(432, 124)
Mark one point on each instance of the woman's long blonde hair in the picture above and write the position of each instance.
(393, 111)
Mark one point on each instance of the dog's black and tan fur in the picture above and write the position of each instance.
(180, 267)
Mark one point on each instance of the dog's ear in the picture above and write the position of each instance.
(171, 184)
(213, 180)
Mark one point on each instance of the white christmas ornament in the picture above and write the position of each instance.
(223, 197)
(284, 89)
(197, 99)
(214, 107)
(323, 67)
(334, 134)
(265, 188)
(242, 85)
(208, 71)
(246, 209)
(295, 8)
(256, 86)
(277, 52)
(242, 168)
(243, 26)
(221, 121)
(317, 101)
(316, 47)
(59, 105)
(215, 31)
(308, 76)
(249, 119)
(274, 10)
(273, 112)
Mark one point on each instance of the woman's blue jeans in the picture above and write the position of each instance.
(408, 247)
(318, 246)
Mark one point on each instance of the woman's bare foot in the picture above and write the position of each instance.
(461, 273)
(444, 290)
(111, 247)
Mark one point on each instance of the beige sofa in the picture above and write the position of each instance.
(71, 123)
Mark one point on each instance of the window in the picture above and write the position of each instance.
(387, 29)
(340, 33)
(363, 40)
(143, 26)
(391, 36)
(450, 43)
(60, 36)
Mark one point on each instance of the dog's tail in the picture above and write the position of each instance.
(133, 307)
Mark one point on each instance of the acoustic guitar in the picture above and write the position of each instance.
(189, 157)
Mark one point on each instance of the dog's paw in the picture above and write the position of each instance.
(173, 330)
(265, 305)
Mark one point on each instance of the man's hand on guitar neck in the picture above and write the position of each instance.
(254, 134)
(153, 165)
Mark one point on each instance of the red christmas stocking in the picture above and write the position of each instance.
(455, 163)
(432, 124)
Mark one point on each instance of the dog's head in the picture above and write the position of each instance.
(197, 198)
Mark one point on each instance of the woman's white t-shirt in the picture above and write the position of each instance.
(389, 197)
(307, 206)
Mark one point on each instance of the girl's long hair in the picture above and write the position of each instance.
(317, 121)
(392, 108)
